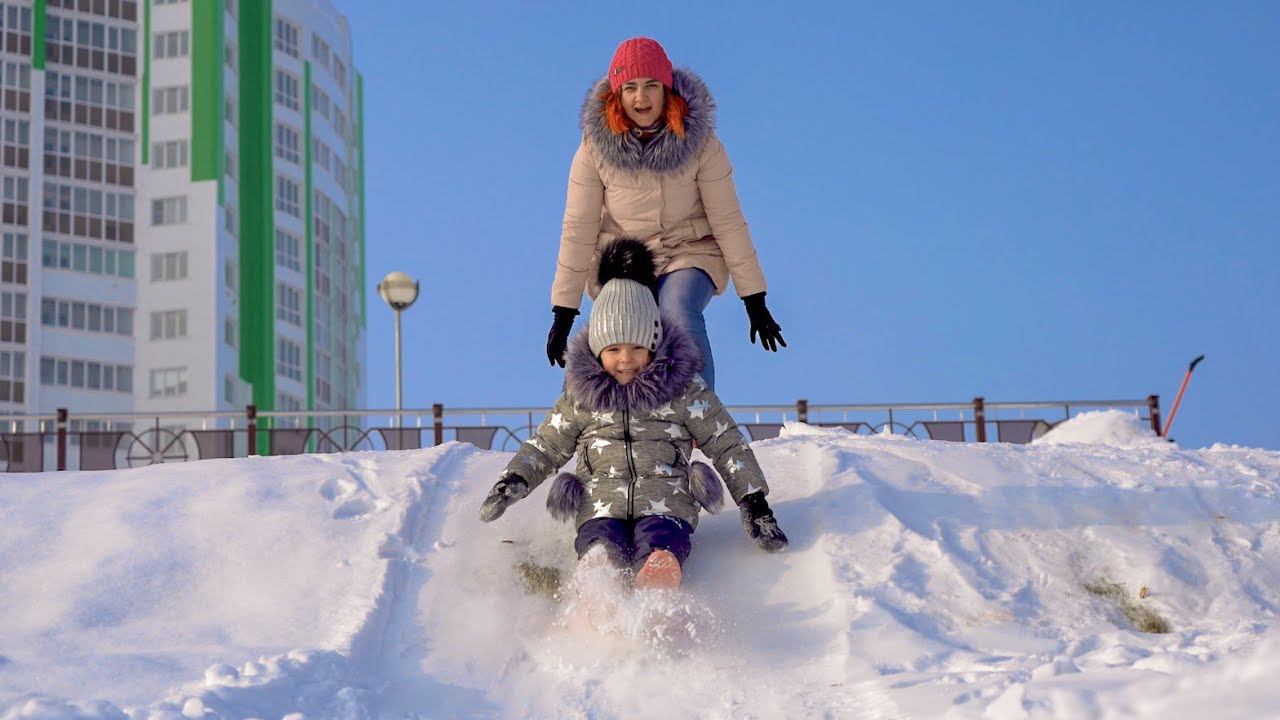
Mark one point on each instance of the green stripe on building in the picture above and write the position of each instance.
(37, 33)
(146, 83)
(306, 269)
(257, 223)
(364, 319)
(207, 29)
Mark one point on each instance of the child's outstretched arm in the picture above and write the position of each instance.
(718, 436)
(550, 448)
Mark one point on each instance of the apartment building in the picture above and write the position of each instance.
(196, 206)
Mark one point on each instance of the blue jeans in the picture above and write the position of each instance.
(682, 296)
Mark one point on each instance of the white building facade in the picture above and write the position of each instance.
(189, 175)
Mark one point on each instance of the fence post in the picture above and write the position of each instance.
(437, 420)
(251, 418)
(980, 418)
(62, 438)
(1153, 405)
(802, 410)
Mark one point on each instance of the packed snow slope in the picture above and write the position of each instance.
(925, 579)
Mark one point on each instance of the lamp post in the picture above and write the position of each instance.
(399, 290)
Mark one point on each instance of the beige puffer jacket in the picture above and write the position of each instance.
(675, 193)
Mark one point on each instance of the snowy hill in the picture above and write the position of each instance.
(925, 579)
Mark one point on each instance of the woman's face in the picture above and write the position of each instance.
(642, 100)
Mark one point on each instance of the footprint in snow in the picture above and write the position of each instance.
(355, 507)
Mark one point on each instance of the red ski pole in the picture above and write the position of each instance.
(1178, 400)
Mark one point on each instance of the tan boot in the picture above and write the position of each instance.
(661, 570)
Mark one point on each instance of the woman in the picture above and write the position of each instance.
(650, 166)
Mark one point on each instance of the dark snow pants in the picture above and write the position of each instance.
(629, 542)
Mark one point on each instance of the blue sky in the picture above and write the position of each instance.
(1015, 200)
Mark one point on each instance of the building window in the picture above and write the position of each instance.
(13, 260)
(320, 51)
(287, 143)
(286, 37)
(287, 196)
(339, 72)
(289, 359)
(13, 376)
(169, 266)
(169, 211)
(287, 403)
(228, 388)
(168, 324)
(229, 332)
(90, 374)
(170, 100)
(321, 155)
(288, 250)
(286, 89)
(324, 389)
(81, 315)
(168, 382)
(173, 44)
(229, 275)
(158, 3)
(80, 257)
(289, 304)
(13, 317)
(169, 154)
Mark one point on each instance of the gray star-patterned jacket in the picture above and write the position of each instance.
(633, 441)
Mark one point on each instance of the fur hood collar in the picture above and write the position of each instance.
(675, 363)
(667, 152)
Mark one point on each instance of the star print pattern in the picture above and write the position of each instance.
(643, 468)
(657, 507)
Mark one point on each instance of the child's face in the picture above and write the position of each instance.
(623, 361)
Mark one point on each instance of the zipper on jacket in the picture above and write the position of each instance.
(631, 465)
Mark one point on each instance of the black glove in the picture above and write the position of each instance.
(758, 520)
(558, 338)
(762, 322)
(505, 492)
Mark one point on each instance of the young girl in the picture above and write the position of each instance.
(651, 167)
(632, 407)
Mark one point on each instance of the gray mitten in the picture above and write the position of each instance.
(505, 492)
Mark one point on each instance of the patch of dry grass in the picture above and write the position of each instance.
(1142, 617)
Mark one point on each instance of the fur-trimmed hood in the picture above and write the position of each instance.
(665, 153)
(674, 365)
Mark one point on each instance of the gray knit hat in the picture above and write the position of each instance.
(626, 310)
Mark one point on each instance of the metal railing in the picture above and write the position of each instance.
(105, 441)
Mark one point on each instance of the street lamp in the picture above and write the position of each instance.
(399, 290)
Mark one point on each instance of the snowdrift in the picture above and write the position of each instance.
(925, 579)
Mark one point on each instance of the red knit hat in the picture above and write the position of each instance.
(639, 57)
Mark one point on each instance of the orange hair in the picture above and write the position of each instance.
(615, 117)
